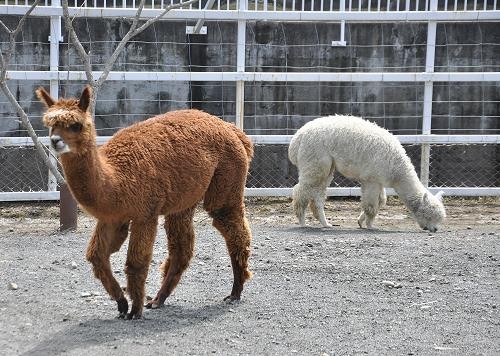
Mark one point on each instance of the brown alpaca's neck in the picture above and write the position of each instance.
(89, 177)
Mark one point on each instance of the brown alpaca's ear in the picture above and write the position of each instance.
(84, 101)
(44, 97)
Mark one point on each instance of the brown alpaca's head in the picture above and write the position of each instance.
(70, 125)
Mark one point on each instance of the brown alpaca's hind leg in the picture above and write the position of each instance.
(233, 225)
(180, 236)
(224, 203)
(108, 238)
(140, 251)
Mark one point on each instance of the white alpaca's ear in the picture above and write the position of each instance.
(425, 198)
(439, 195)
(44, 97)
(84, 101)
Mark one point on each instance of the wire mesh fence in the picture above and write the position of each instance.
(21, 170)
(474, 165)
(450, 166)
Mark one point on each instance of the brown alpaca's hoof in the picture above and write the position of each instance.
(153, 303)
(135, 313)
(232, 298)
(122, 307)
(131, 316)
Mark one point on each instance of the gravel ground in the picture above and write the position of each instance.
(393, 291)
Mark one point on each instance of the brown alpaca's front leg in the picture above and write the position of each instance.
(140, 251)
(233, 225)
(108, 238)
(180, 235)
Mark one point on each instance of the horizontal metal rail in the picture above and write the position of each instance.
(249, 15)
(28, 196)
(264, 76)
(291, 5)
(263, 192)
(356, 191)
(285, 139)
(404, 139)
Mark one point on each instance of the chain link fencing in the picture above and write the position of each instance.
(472, 165)
(22, 170)
(450, 166)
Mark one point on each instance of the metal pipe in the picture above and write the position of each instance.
(240, 67)
(68, 210)
(54, 39)
(428, 91)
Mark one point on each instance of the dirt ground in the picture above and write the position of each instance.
(395, 290)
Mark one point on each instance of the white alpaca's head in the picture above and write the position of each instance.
(70, 124)
(429, 211)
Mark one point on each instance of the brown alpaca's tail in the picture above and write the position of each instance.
(245, 140)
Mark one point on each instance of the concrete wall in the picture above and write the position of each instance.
(290, 47)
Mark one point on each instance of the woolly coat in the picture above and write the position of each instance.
(359, 149)
(167, 166)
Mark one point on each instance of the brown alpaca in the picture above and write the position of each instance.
(161, 166)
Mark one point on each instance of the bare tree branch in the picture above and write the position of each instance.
(12, 38)
(84, 56)
(4, 62)
(6, 29)
(40, 148)
(23, 19)
(25, 16)
(134, 30)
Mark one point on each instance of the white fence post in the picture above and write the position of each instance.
(55, 37)
(240, 67)
(428, 90)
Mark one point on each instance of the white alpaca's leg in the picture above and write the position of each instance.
(315, 174)
(317, 204)
(299, 203)
(382, 200)
(361, 219)
(371, 194)
(318, 209)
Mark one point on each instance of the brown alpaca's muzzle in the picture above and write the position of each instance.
(57, 143)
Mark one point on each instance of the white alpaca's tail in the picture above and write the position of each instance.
(293, 149)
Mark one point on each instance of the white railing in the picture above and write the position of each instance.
(430, 12)
(287, 5)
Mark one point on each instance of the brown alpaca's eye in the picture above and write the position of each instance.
(76, 127)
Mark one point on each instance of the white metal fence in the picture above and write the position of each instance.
(242, 78)
(285, 5)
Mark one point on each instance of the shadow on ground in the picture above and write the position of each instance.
(100, 331)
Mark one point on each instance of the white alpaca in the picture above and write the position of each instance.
(365, 152)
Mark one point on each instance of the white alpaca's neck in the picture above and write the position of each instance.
(410, 190)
